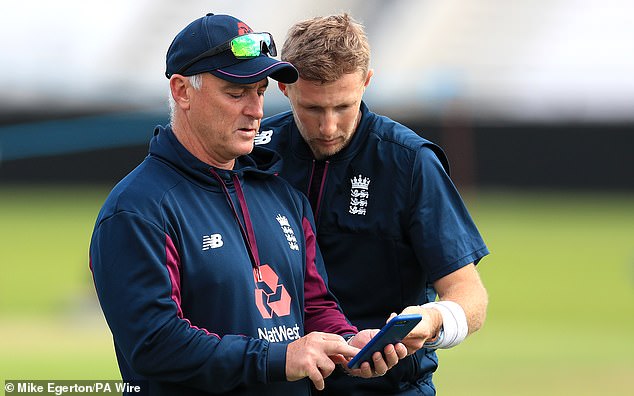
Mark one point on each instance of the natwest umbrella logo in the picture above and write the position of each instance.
(270, 297)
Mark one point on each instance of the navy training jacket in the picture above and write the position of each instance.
(189, 309)
(389, 221)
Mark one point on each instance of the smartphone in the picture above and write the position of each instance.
(393, 332)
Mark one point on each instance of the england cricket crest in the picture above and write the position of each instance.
(359, 194)
(288, 232)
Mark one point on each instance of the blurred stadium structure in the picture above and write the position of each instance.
(519, 93)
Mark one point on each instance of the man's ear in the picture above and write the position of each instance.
(282, 88)
(178, 88)
(368, 78)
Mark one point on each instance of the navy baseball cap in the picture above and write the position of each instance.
(212, 34)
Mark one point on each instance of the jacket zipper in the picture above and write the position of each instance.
(316, 186)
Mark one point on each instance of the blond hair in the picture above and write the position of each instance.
(325, 48)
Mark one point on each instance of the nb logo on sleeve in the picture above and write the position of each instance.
(263, 137)
(212, 241)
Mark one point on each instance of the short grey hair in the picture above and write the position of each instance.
(197, 83)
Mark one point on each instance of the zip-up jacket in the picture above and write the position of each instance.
(389, 223)
(205, 275)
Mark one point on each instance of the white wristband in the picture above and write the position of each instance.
(454, 325)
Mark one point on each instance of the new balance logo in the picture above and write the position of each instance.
(263, 137)
(212, 241)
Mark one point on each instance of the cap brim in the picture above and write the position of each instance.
(256, 69)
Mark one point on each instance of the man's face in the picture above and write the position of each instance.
(327, 114)
(225, 117)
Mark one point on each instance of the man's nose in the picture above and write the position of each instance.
(255, 106)
(328, 124)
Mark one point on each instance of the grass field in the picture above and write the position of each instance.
(560, 280)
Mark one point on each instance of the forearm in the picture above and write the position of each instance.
(465, 288)
(460, 311)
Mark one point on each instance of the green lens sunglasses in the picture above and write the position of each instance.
(245, 46)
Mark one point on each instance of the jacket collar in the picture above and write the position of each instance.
(261, 162)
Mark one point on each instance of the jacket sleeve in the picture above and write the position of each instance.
(321, 308)
(135, 268)
(442, 232)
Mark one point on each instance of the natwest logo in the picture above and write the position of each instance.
(280, 333)
(270, 297)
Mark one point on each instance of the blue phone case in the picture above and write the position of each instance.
(393, 331)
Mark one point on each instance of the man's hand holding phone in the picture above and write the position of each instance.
(381, 349)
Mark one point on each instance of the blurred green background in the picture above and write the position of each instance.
(560, 280)
(532, 102)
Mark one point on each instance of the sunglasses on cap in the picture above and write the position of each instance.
(246, 46)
